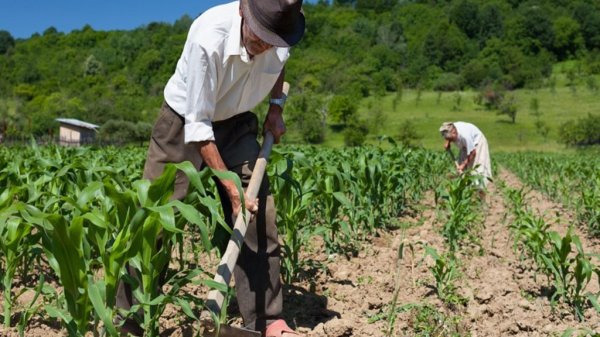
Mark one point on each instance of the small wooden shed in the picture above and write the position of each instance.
(74, 132)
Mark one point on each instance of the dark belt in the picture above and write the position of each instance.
(219, 124)
(242, 117)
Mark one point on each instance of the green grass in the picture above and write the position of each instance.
(556, 107)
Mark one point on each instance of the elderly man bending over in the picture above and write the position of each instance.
(473, 148)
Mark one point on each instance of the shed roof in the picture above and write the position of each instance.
(76, 122)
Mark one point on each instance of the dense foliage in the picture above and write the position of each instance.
(352, 48)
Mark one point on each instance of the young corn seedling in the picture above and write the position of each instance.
(293, 201)
(461, 212)
(445, 272)
(332, 203)
(532, 233)
(14, 245)
(571, 273)
(589, 209)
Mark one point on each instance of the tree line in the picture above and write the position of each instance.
(352, 49)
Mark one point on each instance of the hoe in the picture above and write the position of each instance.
(229, 259)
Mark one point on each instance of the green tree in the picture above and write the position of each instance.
(43, 110)
(492, 23)
(509, 107)
(465, 14)
(534, 106)
(445, 46)
(6, 41)
(535, 29)
(568, 39)
(342, 110)
(92, 67)
(306, 114)
(475, 73)
(588, 17)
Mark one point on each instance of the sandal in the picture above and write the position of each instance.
(277, 328)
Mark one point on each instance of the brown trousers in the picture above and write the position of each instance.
(257, 273)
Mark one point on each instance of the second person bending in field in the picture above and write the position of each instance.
(473, 147)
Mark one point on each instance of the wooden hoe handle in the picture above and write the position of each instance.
(229, 259)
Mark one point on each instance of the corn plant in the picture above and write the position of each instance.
(516, 199)
(293, 201)
(569, 271)
(330, 187)
(532, 233)
(461, 212)
(445, 272)
(571, 274)
(589, 210)
(559, 176)
(14, 245)
(107, 217)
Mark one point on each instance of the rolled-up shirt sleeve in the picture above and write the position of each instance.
(201, 88)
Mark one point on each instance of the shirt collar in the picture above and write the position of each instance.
(234, 40)
(234, 45)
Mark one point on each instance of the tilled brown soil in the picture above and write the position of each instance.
(343, 295)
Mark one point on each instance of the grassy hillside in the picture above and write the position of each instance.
(426, 114)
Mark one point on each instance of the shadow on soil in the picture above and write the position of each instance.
(302, 308)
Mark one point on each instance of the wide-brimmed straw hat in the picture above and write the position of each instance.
(445, 128)
(279, 23)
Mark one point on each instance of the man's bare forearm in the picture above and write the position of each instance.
(469, 159)
(212, 158)
(277, 90)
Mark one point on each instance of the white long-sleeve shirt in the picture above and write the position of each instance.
(215, 78)
(468, 136)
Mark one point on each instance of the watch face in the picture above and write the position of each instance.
(278, 101)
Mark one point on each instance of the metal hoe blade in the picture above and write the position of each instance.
(229, 331)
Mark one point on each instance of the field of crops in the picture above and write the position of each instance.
(571, 180)
(376, 243)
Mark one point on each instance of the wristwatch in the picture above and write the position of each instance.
(278, 101)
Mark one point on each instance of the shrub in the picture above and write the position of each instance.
(448, 82)
(122, 132)
(490, 97)
(583, 132)
(342, 109)
(355, 134)
(407, 134)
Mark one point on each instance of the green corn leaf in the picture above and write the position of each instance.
(156, 301)
(192, 173)
(96, 291)
(215, 285)
(167, 217)
(162, 188)
(568, 333)
(185, 306)
(341, 197)
(142, 187)
(192, 216)
(593, 298)
(88, 193)
(66, 248)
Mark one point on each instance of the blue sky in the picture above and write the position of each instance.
(25, 17)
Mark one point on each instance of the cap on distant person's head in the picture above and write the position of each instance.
(279, 23)
(446, 128)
